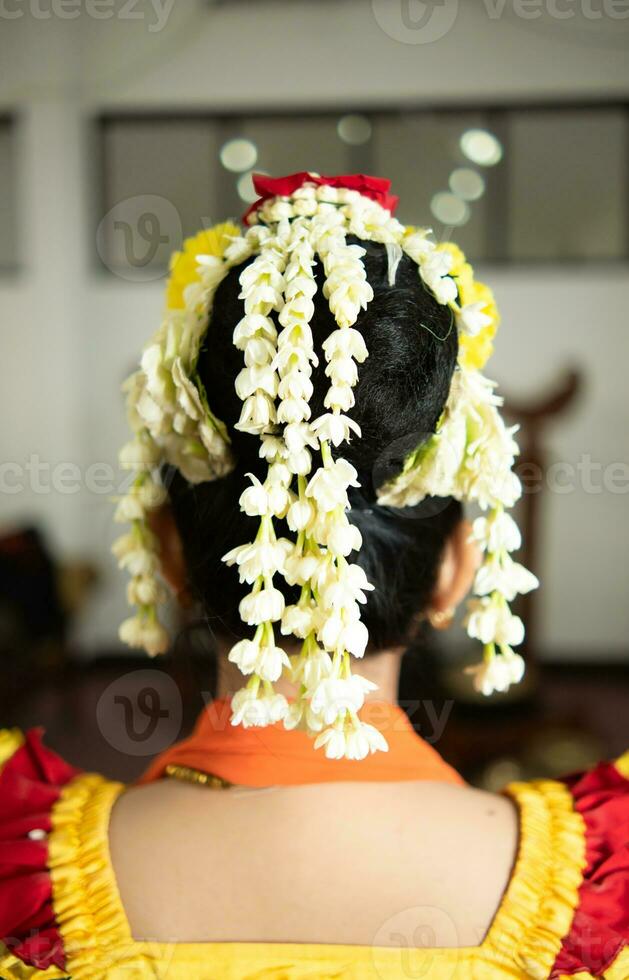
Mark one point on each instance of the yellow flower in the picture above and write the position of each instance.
(474, 351)
(183, 265)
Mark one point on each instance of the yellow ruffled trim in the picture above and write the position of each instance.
(11, 739)
(12, 968)
(94, 928)
(544, 891)
(619, 970)
(622, 765)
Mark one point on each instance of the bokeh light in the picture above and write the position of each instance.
(467, 184)
(239, 155)
(449, 209)
(481, 147)
(354, 129)
(245, 188)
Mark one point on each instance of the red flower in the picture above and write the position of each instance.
(376, 188)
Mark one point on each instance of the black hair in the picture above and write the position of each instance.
(401, 392)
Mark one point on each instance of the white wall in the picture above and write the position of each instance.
(70, 335)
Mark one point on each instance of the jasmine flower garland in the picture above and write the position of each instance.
(470, 456)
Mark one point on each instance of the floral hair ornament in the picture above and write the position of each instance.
(297, 221)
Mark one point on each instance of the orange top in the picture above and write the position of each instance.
(273, 757)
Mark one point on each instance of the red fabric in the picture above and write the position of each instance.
(30, 784)
(600, 927)
(274, 757)
(376, 188)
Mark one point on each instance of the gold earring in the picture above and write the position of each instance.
(440, 619)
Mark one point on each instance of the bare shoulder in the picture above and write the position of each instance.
(431, 849)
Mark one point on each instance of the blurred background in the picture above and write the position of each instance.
(126, 125)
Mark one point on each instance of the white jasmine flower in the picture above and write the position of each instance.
(258, 412)
(270, 663)
(340, 536)
(291, 358)
(501, 574)
(296, 384)
(334, 695)
(298, 435)
(498, 532)
(354, 638)
(279, 474)
(293, 410)
(129, 508)
(299, 715)
(159, 382)
(154, 416)
(259, 351)
(251, 710)
(346, 590)
(312, 668)
(298, 310)
(340, 398)
(300, 514)
(342, 370)
(139, 454)
(238, 250)
(471, 319)
(330, 631)
(348, 342)
(245, 655)
(144, 633)
(260, 378)
(417, 245)
(327, 490)
(187, 394)
(491, 621)
(300, 463)
(136, 552)
(254, 325)
(272, 448)
(254, 501)
(145, 590)
(376, 740)
(333, 741)
(257, 559)
(217, 447)
(328, 485)
(298, 620)
(497, 673)
(300, 569)
(265, 606)
(363, 739)
(436, 264)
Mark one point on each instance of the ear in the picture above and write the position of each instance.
(460, 560)
(172, 561)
